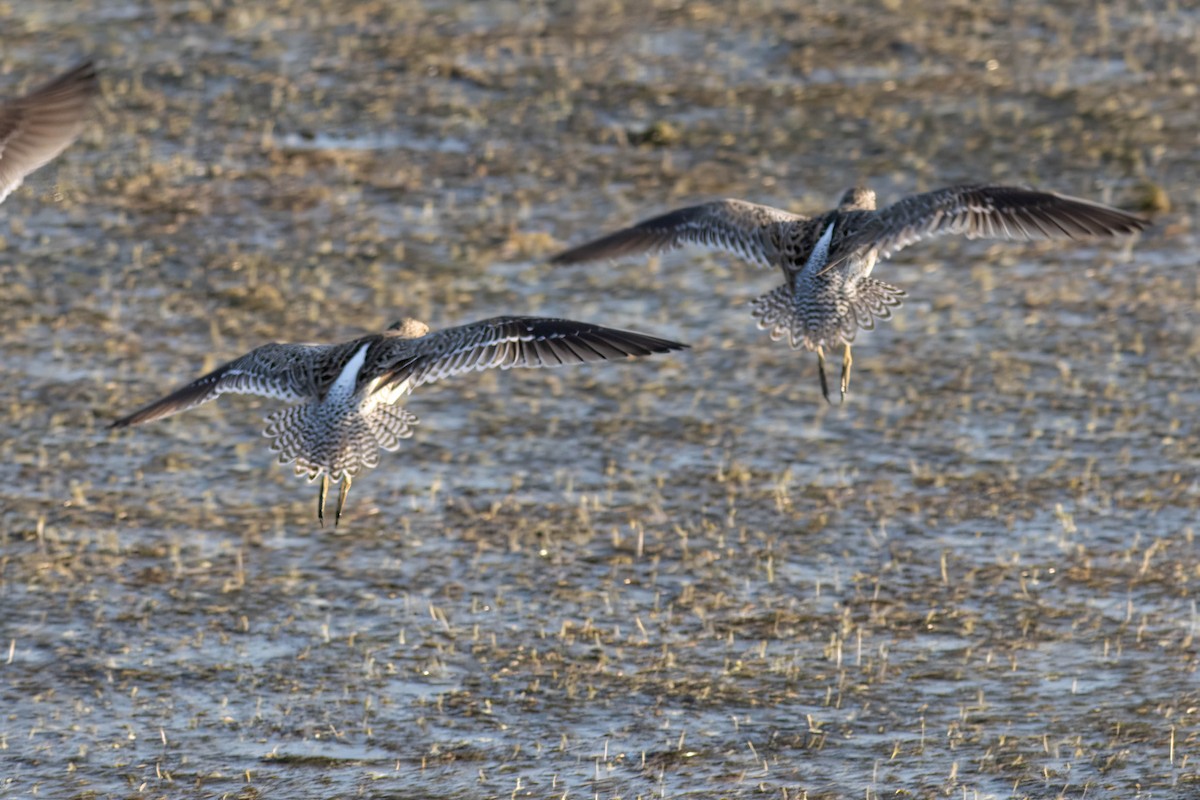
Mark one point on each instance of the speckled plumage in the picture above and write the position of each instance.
(37, 127)
(828, 292)
(350, 390)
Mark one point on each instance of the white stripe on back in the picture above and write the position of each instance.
(346, 381)
(819, 256)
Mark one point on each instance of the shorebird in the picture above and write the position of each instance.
(351, 390)
(37, 127)
(827, 260)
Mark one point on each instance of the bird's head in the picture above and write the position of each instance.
(857, 198)
(408, 328)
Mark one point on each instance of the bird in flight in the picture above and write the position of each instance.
(350, 391)
(37, 127)
(826, 260)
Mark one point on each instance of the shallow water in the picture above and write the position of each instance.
(680, 577)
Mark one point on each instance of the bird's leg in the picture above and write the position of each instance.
(821, 372)
(847, 360)
(324, 490)
(341, 498)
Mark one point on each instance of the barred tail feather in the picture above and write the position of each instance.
(302, 435)
(874, 300)
(390, 424)
(826, 320)
(776, 312)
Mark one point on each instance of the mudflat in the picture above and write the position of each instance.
(686, 576)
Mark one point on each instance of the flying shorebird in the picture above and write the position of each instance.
(827, 260)
(351, 389)
(37, 127)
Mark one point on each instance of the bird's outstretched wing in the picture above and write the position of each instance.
(993, 212)
(280, 371)
(37, 127)
(507, 342)
(752, 231)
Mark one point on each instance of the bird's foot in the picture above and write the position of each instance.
(821, 374)
(324, 490)
(345, 489)
(847, 361)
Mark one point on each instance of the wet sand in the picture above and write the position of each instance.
(678, 577)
